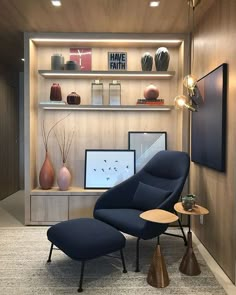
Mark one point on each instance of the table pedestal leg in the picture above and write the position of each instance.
(189, 264)
(158, 275)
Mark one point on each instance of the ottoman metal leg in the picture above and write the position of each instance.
(81, 276)
(123, 261)
(50, 253)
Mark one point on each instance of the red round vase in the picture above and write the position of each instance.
(151, 92)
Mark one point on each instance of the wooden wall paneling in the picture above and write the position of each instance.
(101, 130)
(30, 120)
(3, 137)
(9, 133)
(13, 137)
(215, 190)
(21, 130)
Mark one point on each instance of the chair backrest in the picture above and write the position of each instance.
(167, 170)
(168, 164)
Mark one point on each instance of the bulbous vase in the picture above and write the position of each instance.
(151, 92)
(162, 59)
(64, 179)
(146, 61)
(46, 175)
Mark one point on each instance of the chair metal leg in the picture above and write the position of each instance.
(137, 256)
(123, 261)
(183, 236)
(50, 253)
(81, 277)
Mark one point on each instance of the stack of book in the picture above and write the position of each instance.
(157, 101)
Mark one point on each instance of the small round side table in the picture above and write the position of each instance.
(157, 274)
(189, 264)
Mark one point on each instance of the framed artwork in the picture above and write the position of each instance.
(208, 128)
(117, 61)
(146, 145)
(106, 168)
(83, 57)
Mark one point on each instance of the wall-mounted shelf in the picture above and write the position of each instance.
(62, 74)
(60, 106)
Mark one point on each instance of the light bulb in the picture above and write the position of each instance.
(190, 81)
(56, 3)
(154, 3)
(180, 100)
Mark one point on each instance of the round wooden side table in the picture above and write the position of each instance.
(157, 274)
(189, 264)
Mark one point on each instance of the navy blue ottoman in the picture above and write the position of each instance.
(84, 239)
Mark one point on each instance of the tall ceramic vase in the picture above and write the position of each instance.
(64, 178)
(146, 61)
(162, 59)
(46, 175)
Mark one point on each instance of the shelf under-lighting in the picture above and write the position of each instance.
(107, 74)
(134, 41)
(66, 107)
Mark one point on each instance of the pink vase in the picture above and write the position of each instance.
(64, 179)
(46, 175)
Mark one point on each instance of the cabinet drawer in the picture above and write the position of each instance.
(49, 208)
(81, 206)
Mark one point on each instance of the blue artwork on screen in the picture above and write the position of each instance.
(208, 128)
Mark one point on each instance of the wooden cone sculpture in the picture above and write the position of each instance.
(157, 275)
(189, 264)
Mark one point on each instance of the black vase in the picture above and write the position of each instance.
(146, 61)
(162, 59)
(73, 98)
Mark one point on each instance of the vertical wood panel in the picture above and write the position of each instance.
(214, 45)
(9, 135)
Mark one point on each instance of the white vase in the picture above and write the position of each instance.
(64, 179)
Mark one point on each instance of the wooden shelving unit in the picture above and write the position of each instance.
(97, 126)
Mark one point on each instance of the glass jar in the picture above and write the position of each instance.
(188, 202)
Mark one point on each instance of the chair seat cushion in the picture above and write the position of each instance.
(85, 238)
(128, 221)
(148, 197)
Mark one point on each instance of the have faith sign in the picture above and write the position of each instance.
(117, 61)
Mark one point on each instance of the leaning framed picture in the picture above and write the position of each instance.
(146, 144)
(106, 168)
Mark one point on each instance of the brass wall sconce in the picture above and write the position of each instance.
(190, 81)
(183, 101)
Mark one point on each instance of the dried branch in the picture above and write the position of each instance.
(64, 143)
(46, 135)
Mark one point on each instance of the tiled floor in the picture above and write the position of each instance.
(12, 215)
